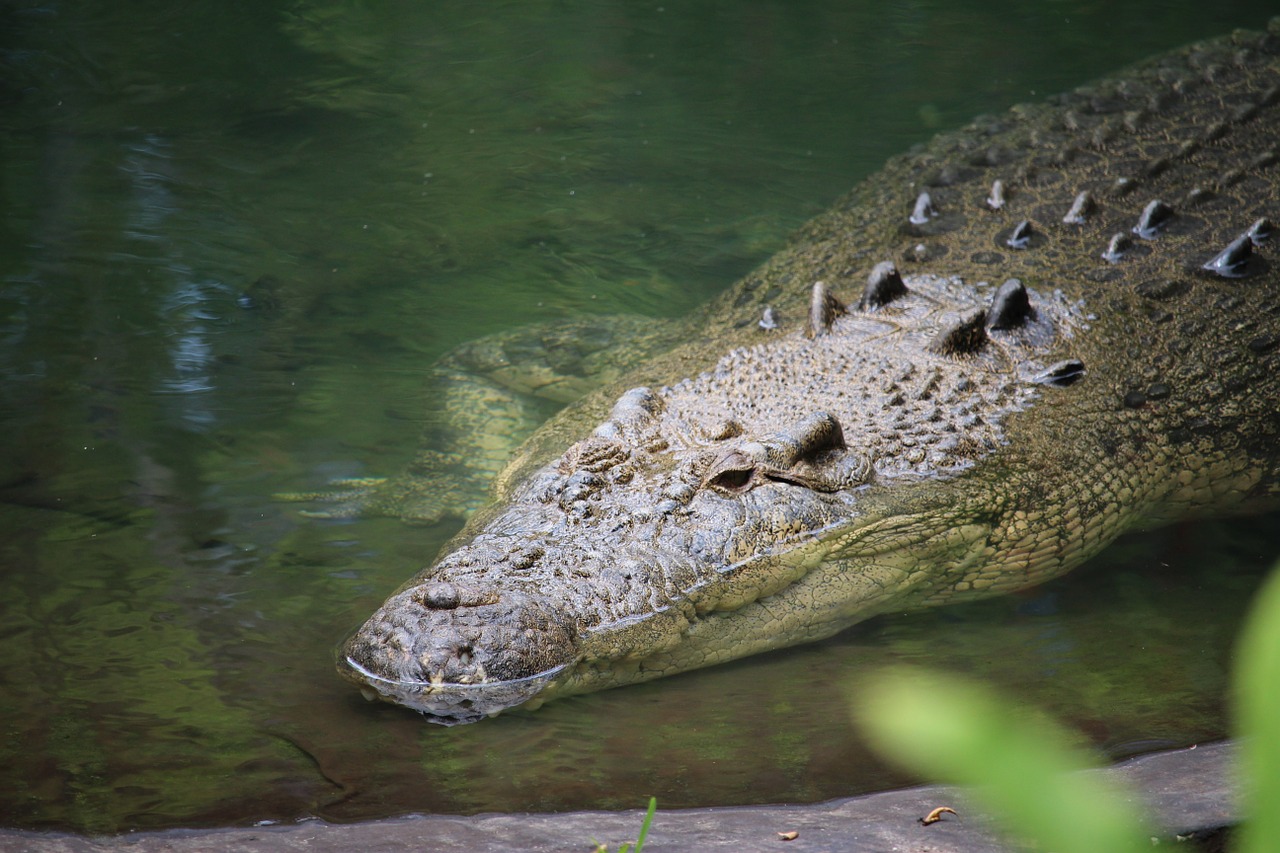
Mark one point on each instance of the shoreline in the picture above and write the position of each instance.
(1187, 792)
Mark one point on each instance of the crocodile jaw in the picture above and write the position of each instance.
(445, 703)
(456, 655)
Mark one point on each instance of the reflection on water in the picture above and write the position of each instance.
(234, 237)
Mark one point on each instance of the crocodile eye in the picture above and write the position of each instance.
(733, 473)
(733, 480)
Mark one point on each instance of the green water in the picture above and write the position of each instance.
(234, 234)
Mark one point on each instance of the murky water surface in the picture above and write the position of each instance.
(233, 236)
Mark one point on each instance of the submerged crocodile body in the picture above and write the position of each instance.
(979, 368)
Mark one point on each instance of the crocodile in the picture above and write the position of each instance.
(981, 366)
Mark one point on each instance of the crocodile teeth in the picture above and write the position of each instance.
(884, 285)
(1230, 262)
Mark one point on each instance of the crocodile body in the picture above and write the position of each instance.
(984, 364)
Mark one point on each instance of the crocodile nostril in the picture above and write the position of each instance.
(439, 596)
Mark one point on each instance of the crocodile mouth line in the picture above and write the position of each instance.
(451, 703)
(429, 687)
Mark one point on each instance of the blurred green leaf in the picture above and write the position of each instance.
(644, 833)
(1257, 688)
(1023, 768)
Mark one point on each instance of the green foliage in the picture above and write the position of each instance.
(1020, 766)
(644, 832)
(1257, 698)
(1024, 768)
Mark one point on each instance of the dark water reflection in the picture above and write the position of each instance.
(233, 236)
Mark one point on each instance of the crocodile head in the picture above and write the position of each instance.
(701, 522)
(604, 563)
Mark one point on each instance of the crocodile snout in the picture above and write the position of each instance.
(457, 654)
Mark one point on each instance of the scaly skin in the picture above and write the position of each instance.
(757, 488)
